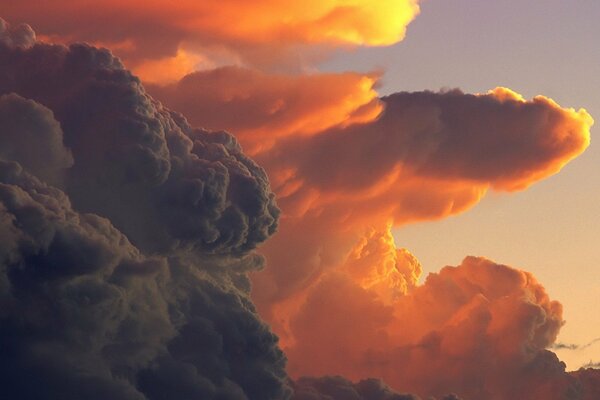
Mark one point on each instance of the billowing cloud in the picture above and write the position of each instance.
(427, 156)
(126, 278)
(479, 329)
(345, 299)
(160, 181)
(255, 32)
(261, 108)
(124, 264)
(25, 122)
(337, 289)
(493, 140)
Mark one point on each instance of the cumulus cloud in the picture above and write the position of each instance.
(479, 329)
(494, 140)
(427, 156)
(126, 278)
(337, 283)
(128, 234)
(21, 36)
(24, 122)
(334, 265)
(163, 183)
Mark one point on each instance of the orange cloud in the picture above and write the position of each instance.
(479, 329)
(255, 30)
(427, 156)
(170, 69)
(342, 187)
(261, 108)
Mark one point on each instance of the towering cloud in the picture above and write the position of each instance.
(165, 184)
(427, 156)
(88, 312)
(129, 235)
(479, 329)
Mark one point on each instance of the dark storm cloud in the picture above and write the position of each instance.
(339, 388)
(163, 183)
(125, 243)
(25, 122)
(125, 240)
(589, 381)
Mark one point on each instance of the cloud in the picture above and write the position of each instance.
(589, 379)
(127, 277)
(163, 183)
(489, 140)
(260, 33)
(334, 266)
(427, 156)
(26, 122)
(340, 179)
(339, 388)
(342, 187)
(479, 329)
(261, 108)
(124, 265)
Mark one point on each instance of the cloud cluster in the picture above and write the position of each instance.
(126, 240)
(129, 235)
(340, 294)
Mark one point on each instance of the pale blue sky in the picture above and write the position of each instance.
(549, 47)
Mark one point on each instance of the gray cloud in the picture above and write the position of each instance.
(339, 388)
(126, 277)
(25, 122)
(163, 183)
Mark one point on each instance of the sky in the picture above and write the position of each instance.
(332, 200)
(534, 48)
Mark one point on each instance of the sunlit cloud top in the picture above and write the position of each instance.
(254, 31)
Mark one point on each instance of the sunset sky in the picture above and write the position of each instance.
(318, 200)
